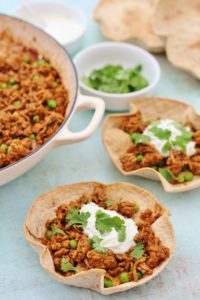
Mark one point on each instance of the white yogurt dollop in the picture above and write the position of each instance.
(175, 132)
(110, 240)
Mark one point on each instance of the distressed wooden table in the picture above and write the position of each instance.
(21, 277)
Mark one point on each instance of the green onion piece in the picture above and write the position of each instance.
(134, 136)
(12, 81)
(181, 178)
(139, 274)
(48, 234)
(27, 59)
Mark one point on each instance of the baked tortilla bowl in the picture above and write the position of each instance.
(44, 207)
(116, 141)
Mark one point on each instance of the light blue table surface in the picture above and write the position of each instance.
(21, 277)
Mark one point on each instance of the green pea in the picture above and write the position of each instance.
(181, 178)
(17, 103)
(9, 149)
(41, 62)
(124, 277)
(49, 234)
(15, 87)
(3, 146)
(139, 274)
(134, 136)
(32, 137)
(36, 119)
(73, 244)
(139, 158)
(4, 86)
(27, 59)
(12, 81)
(188, 176)
(108, 283)
(51, 104)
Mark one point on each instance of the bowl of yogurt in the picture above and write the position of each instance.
(65, 23)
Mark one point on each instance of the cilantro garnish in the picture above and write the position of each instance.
(162, 134)
(105, 223)
(66, 266)
(167, 146)
(167, 174)
(76, 217)
(55, 230)
(95, 243)
(116, 79)
(138, 138)
(138, 250)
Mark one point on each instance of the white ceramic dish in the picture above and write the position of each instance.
(129, 56)
(59, 8)
(33, 37)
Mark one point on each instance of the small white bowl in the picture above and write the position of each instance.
(128, 56)
(58, 8)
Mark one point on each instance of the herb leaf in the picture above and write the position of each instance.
(112, 202)
(142, 138)
(67, 266)
(167, 174)
(95, 243)
(116, 79)
(138, 250)
(162, 134)
(167, 146)
(104, 224)
(56, 230)
(76, 217)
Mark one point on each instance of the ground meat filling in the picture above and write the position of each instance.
(33, 100)
(80, 253)
(176, 163)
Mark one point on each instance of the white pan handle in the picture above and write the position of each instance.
(84, 102)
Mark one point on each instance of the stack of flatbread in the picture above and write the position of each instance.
(157, 25)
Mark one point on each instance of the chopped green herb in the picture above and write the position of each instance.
(105, 223)
(162, 134)
(139, 274)
(108, 283)
(142, 139)
(41, 62)
(136, 208)
(95, 243)
(167, 146)
(138, 250)
(78, 218)
(66, 266)
(48, 234)
(167, 174)
(56, 230)
(139, 158)
(116, 79)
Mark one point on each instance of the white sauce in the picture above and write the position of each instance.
(158, 144)
(110, 240)
(63, 28)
